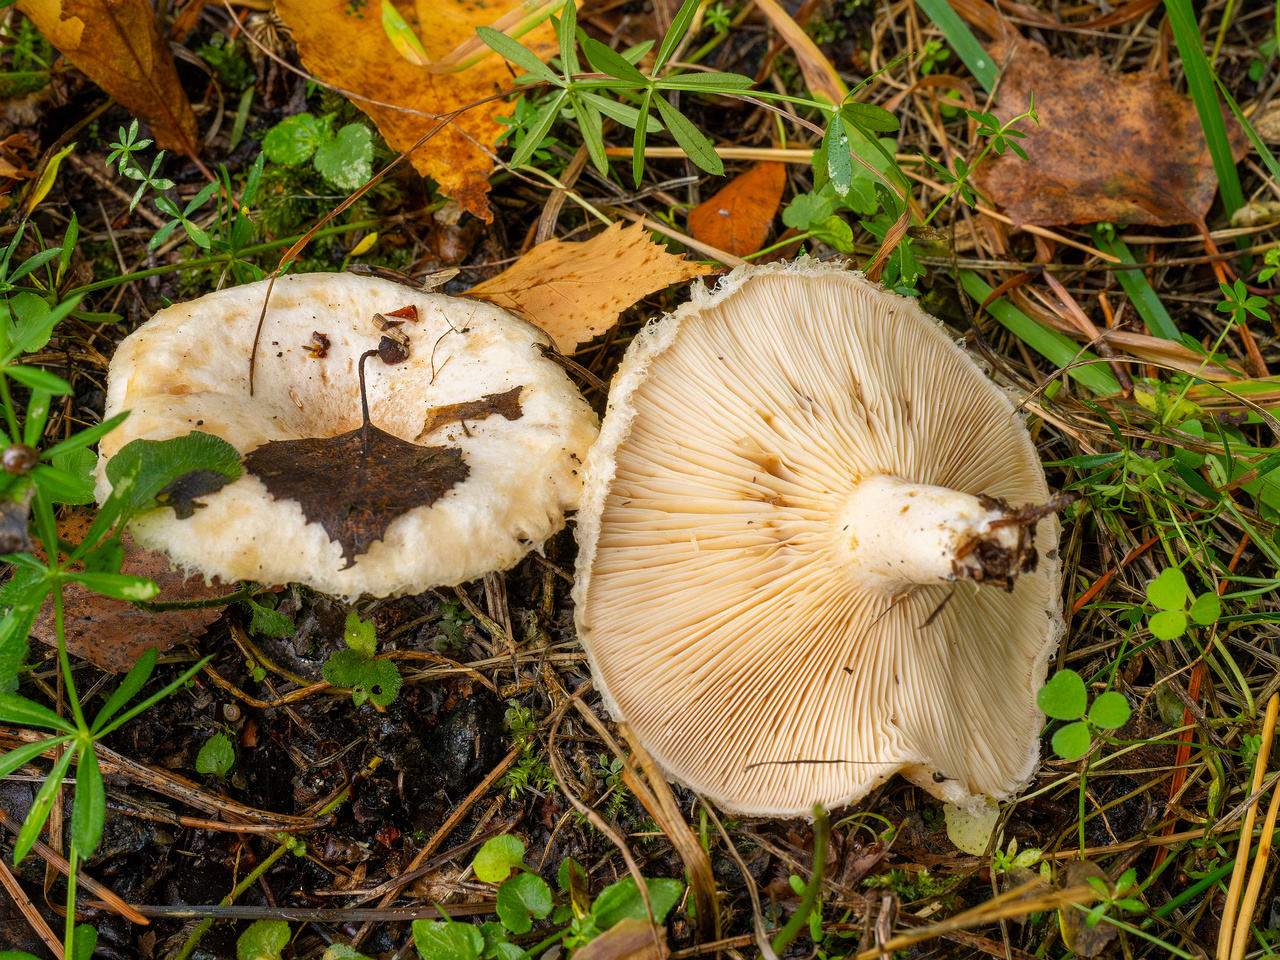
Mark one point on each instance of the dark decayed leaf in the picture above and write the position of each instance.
(180, 492)
(357, 483)
(505, 404)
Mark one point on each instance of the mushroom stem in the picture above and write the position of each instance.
(895, 533)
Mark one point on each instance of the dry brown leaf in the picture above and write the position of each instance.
(819, 75)
(628, 939)
(1120, 147)
(577, 291)
(111, 634)
(118, 45)
(738, 217)
(344, 44)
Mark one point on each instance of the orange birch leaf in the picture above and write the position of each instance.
(344, 44)
(738, 217)
(577, 291)
(118, 45)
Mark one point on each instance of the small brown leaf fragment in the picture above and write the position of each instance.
(111, 634)
(388, 328)
(405, 313)
(738, 217)
(319, 345)
(505, 405)
(1076, 933)
(358, 483)
(577, 291)
(118, 45)
(180, 493)
(1110, 146)
(628, 939)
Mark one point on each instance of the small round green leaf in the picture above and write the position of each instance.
(264, 940)
(1168, 624)
(294, 139)
(1206, 609)
(497, 858)
(1169, 590)
(1109, 711)
(447, 940)
(1072, 741)
(216, 757)
(1063, 697)
(522, 897)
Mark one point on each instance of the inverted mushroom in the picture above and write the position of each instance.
(799, 569)
(484, 456)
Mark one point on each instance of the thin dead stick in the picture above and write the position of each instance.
(167, 784)
(1008, 904)
(1256, 876)
(1225, 933)
(29, 911)
(459, 814)
(715, 253)
(41, 849)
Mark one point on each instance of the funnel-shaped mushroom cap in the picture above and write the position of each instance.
(783, 498)
(475, 380)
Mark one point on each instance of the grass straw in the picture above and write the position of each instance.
(1139, 291)
(962, 41)
(1058, 349)
(1200, 82)
(1224, 951)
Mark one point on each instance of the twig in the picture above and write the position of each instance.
(29, 911)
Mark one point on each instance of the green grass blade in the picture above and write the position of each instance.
(962, 41)
(1259, 144)
(1135, 285)
(1200, 82)
(1053, 346)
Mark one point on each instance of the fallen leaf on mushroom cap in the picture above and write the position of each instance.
(1111, 146)
(357, 483)
(364, 61)
(738, 217)
(111, 634)
(118, 45)
(577, 291)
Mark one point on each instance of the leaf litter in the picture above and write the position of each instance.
(1122, 147)
(357, 483)
(407, 101)
(577, 291)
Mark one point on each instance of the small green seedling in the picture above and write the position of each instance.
(1169, 594)
(216, 757)
(264, 940)
(369, 679)
(1064, 697)
(525, 896)
(1120, 898)
(267, 621)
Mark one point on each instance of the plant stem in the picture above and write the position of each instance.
(68, 937)
(218, 258)
(821, 832)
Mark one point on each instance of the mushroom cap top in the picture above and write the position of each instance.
(719, 619)
(188, 369)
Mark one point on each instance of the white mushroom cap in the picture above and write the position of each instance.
(188, 369)
(775, 454)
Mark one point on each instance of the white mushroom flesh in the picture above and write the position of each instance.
(188, 369)
(730, 618)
